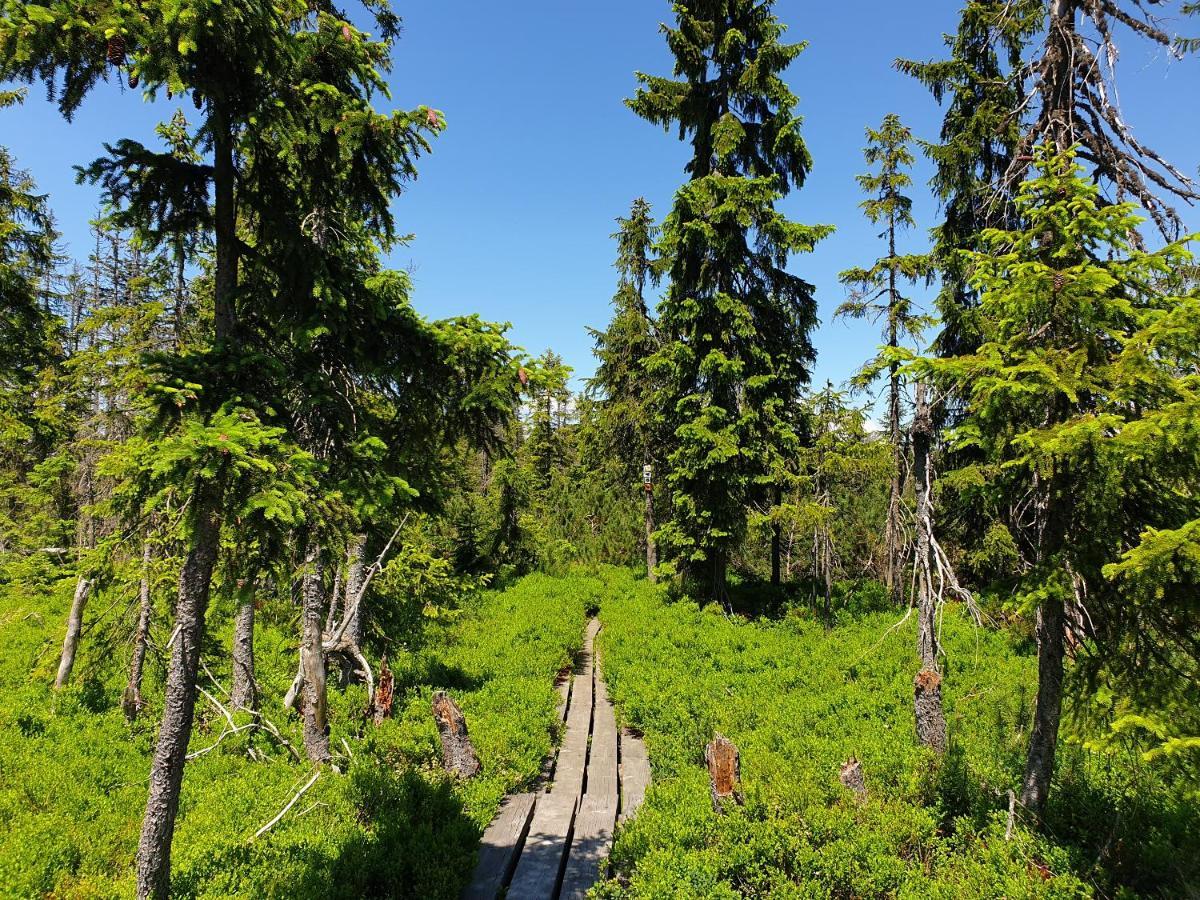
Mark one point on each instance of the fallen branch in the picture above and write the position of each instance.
(290, 804)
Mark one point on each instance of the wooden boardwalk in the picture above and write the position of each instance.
(551, 844)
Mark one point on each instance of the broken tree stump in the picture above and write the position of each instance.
(851, 775)
(930, 718)
(724, 772)
(381, 703)
(458, 756)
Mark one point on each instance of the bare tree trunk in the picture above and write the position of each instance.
(166, 772)
(927, 686)
(1043, 741)
(244, 691)
(312, 656)
(922, 439)
(894, 526)
(356, 558)
(83, 588)
(195, 579)
(651, 546)
(776, 539)
(132, 703)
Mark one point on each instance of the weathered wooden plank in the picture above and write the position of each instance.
(589, 847)
(541, 864)
(572, 756)
(501, 847)
(635, 773)
(602, 784)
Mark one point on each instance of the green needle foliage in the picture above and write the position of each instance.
(1080, 404)
(734, 323)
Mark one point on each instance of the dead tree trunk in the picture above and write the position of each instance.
(166, 772)
(1043, 741)
(356, 558)
(132, 702)
(312, 657)
(244, 691)
(458, 755)
(83, 588)
(381, 703)
(724, 772)
(927, 686)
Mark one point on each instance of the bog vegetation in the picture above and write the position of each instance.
(255, 510)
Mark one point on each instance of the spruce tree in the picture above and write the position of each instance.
(876, 295)
(624, 423)
(734, 322)
(1077, 360)
(982, 85)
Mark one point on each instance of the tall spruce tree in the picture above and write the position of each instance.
(876, 295)
(623, 388)
(1082, 353)
(734, 323)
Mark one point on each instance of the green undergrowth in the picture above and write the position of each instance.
(799, 700)
(389, 824)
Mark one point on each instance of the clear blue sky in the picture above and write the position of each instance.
(513, 210)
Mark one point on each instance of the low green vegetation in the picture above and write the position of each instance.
(799, 701)
(73, 773)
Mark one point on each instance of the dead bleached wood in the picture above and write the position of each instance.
(724, 772)
(458, 755)
(290, 804)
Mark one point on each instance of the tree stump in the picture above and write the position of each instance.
(458, 756)
(927, 700)
(851, 775)
(724, 772)
(381, 703)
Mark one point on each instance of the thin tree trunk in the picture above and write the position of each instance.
(166, 771)
(132, 702)
(244, 692)
(776, 539)
(1039, 763)
(926, 600)
(929, 715)
(195, 579)
(356, 566)
(894, 527)
(312, 657)
(651, 546)
(83, 588)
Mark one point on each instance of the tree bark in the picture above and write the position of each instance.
(356, 566)
(927, 705)
(132, 703)
(170, 753)
(776, 540)
(312, 657)
(458, 754)
(724, 772)
(1043, 741)
(922, 439)
(83, 588)
(244, 691)
(195, 579)
(651, 546)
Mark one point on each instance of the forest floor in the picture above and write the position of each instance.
(797, 699)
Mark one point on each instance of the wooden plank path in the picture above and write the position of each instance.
(551, 844)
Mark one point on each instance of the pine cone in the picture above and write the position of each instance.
(197, 101)
(1059, 280)
(116, 50)
(133, 81)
